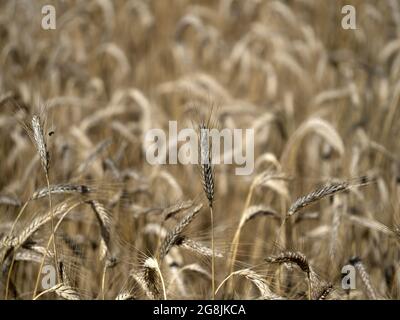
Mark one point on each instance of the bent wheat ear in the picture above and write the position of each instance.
(357, 263)
(317, 195)
(171, 211)
(20, 239)
(174, 235)
(197, 247)
(325, 191)
(60, 189)
(265, 292)
(140, 279)
(104, 219)
(9, 200)
(258, 210)
(63, 291)
(324, 292)
(291, 257)
(40, 143)
(151, 277)
(94, 155)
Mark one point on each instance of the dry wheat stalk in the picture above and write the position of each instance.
(338, 210)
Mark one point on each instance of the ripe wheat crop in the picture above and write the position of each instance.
(84, 215)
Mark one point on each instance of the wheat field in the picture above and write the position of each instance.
(83, 215)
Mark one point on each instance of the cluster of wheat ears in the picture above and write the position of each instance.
(79, 201)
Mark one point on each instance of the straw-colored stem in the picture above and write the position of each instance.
(52, 229)
(9, 276)
(47, 247)
(103, 281)
(236, 238)
(213, 253)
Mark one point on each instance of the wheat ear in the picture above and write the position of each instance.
(41, 146)
(207, 178)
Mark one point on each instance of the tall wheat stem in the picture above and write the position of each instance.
(236, 238)
(213, 253)
(52, 229)
(47, 247)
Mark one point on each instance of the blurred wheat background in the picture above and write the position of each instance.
(323, 102)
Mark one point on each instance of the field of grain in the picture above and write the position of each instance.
(83, 215)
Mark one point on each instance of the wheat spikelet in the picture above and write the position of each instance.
(357, 263)
(258, 281)
(104, 219)
(140, 279)
(196, 247)
(306, 216)
(66, 292)
(171, 211)
(174, 235)
(324, 292)
(40, 143)
(195, 267)
(27, 255)
(207, 174)
(370, 224)
(9, 200)
(317, 195)
(151, 277)
(110, 164)
(258, 210)
(94, 155)
(125, 296)
(32, 253)
(325, 191)
(61, 189)
(15, 241)
(291, 257)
